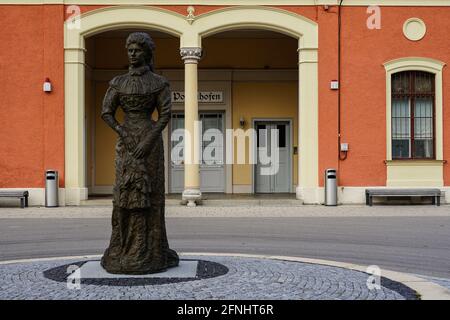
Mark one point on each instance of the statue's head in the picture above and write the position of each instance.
(140, 48)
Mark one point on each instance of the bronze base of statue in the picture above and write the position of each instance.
(138, 243)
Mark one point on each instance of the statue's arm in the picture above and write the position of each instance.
(164, 106)
(109, 107)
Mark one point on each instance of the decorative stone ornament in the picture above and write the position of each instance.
(190, 16)
(414, 29)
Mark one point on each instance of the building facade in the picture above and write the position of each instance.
(350, 85)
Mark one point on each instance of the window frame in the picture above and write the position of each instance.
(416, 64)
(412, 95)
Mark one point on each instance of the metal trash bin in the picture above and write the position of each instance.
(330, 187)
(51, 188)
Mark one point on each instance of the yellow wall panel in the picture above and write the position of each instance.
(249, 99)
(110, 53)
(277, 100)
(232, 53)
(269, 100)
(218, 53)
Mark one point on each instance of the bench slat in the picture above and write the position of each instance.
(406, 193)
(13, 193)
(403, 191)
(387, 192)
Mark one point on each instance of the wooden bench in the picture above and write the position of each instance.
(23, 195)
(386, 192)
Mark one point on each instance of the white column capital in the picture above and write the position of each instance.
(308, 55)
(191, 54)
(74, 55)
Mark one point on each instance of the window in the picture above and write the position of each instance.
(212, 138)
(413, 112)
(177, 142)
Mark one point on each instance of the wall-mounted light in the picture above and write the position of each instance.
(343, 151)
(47, 87)
(242, 122)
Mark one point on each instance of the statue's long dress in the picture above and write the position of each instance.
(138, 241)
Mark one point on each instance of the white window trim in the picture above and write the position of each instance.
(415, 173)
(415, 64)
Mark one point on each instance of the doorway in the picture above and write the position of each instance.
(271, 177)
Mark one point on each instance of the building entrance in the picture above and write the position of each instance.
(270, 177)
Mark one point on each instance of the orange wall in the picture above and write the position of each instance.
(198, 9)
(83, 9)
(32, 122)
(178, 9)
(363, 84)
(32, 132)
(328, 99)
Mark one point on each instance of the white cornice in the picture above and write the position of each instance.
(419, 3)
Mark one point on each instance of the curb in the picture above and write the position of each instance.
(426, 289)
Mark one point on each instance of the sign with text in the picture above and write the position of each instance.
(203, 96)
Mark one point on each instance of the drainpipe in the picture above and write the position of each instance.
(340, 86)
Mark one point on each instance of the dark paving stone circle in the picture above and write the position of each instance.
(405, 291)
(218, 278)
(205, 270)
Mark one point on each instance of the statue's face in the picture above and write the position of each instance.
(136, 55)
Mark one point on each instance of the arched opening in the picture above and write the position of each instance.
(206, 27)
(255, 74)
(105, 58)
(92, 23)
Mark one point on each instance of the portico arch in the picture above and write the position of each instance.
(91, 23)
(306, 31)
(190, 34)
(258, 17)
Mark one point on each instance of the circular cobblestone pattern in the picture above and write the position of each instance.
(223, 277)
(205, 270)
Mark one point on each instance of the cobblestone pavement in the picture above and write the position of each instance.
(247, 278)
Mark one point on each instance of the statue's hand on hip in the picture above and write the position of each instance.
(127, 139)
(144, 147)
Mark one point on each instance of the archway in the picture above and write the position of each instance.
(190, 34)
(91, 23)
(306, 31)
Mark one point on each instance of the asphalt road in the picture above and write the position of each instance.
(418, 245)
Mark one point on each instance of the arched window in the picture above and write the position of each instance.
(413, 115)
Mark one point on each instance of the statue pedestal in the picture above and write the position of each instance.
(93, 270)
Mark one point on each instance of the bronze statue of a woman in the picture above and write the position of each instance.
(138, 241)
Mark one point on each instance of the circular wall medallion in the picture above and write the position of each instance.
(414, 29)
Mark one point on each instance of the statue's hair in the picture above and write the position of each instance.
(145, 41)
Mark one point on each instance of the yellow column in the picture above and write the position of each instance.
(308, 112)
(75, 185)
(191, 192)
